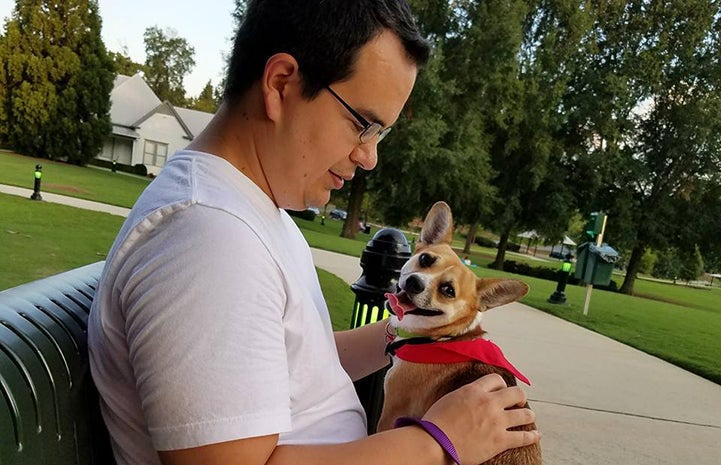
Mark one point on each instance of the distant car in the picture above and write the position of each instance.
(339, 214)
(314, 210)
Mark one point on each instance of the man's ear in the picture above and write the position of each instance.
(281, 76)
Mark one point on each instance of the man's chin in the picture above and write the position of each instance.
(319, 201)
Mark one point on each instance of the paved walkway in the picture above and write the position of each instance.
(64, 200)
(598, 402)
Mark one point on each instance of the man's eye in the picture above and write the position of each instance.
(448, 290)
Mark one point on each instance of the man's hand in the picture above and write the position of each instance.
(477, 418)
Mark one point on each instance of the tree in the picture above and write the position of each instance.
(168, 59)
(525, 125)
(668, 265)
(439, 150)
(57, 79)
(206, 101)
(413, 168)
(647, 105)
(691, 265)
(124, 64)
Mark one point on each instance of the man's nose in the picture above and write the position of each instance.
(366, 155)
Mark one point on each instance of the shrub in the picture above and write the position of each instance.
(485, 242)
(140, 169)
(513, 247)
(549, 274)
(305, 214)
(109, 165)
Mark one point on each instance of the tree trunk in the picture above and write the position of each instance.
(355, 201)
(634, 264)
(470, 239)
(501, 254)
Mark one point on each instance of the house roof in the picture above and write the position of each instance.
(195, 120)
(125, 132)
(131, 98)
(133, 102)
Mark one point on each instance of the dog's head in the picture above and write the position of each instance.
(439, 295)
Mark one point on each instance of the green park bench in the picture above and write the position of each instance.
(49, 411)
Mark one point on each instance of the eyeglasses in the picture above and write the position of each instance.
(370, 130)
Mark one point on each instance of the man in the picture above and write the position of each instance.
(209, 339)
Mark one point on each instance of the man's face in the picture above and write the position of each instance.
(321, 137)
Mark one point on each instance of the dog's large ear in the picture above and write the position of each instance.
(438, 225)
(497, 292)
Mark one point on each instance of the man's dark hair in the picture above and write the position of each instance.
(323, 35)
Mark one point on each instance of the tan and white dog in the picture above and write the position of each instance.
(437, 313)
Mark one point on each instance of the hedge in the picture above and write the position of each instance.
(549, 274)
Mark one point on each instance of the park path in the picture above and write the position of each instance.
(598, 402)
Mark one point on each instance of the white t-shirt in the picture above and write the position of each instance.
(209, 324)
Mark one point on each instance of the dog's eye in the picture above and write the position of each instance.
(447, 290)
(426, 260)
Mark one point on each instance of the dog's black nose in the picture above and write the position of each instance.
(414, 285)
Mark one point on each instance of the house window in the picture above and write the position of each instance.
(155, 153)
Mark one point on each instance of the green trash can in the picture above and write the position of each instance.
(594, 264)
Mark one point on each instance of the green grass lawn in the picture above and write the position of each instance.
(327, 236)
(339, 297)
(39, 239)
(76, 181)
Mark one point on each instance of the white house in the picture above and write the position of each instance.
(145, 130)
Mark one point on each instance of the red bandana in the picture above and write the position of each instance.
(458, 351)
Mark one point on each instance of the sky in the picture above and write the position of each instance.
(207, 25)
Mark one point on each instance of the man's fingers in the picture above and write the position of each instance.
(523, 438)
(520, 417)
(490, 383)
(512, 397)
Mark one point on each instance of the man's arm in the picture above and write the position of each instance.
(361, 350)
(393, 448)
(476, 417)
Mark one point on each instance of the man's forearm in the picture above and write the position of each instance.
(361, 350)
(403, 445)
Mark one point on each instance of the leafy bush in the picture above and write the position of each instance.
(140, 169)
(305, 214)
(109, 165)
(513, 247)
(485, 242)
(549, 274)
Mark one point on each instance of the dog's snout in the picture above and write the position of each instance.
(414, 285)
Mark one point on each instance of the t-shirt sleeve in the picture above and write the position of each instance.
(204, 303)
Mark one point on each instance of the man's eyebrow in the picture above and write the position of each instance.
(372, 116)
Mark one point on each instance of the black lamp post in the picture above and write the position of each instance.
(36, 186)
(382, 260)
(559, 295)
